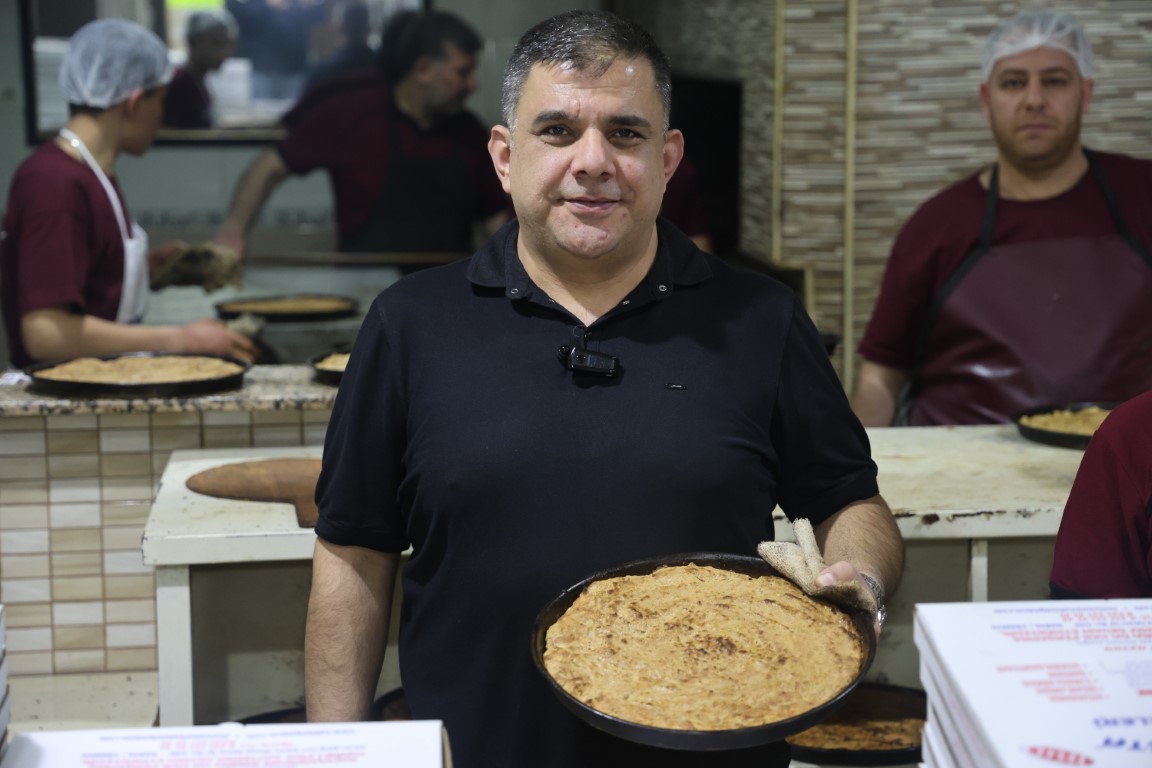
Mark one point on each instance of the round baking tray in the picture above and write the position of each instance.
(328, 377)
(1059, 439)
(670, 738)
(351, 308)
(89, 389)
(900, 702)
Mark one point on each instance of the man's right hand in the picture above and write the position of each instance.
(212, 337)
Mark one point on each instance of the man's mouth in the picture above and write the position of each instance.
(591, 204)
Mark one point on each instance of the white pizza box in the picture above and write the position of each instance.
(956, 742)
(412, 744)
(1041, 682)
(932, 747)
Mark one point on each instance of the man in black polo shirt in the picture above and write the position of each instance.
(588, 389)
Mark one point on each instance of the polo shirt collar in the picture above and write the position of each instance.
(678, 263)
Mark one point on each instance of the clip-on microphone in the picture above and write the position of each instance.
(580, 359)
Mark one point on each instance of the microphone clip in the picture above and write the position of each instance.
(587, 361)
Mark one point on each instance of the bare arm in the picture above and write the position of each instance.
(348, 614)
(863, 538)
(56, 334)
(877, 387)
(262, 177)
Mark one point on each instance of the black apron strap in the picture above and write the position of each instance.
(907, 395)
(1114, 209)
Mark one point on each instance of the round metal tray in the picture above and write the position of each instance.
(1058, 439)
(669, 738)
(328, 377)
(90, 389)
(902, 701)
(351, 308)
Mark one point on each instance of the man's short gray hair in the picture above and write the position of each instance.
(589, 41)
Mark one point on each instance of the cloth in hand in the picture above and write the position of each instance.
(802, 562)
(208, 264)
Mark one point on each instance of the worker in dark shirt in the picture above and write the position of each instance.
(211, 38)
(408, 164)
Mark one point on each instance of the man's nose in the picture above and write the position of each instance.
(593, 154)
(1034, 94)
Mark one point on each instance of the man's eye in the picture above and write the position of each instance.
(1012, 84)
(1056, 82)
(555, 130)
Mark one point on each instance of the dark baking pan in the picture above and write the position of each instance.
(870, 700)
(669, 738)
(1058, 439)
(350, 309)
(91, 389)
(328, 377)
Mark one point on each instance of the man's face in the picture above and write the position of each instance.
(589, 160)
(208, 51)
(1033, 102)
(449, 81)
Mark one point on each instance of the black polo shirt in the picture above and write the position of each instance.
(458, 430)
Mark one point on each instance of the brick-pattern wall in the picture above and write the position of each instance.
(917, 124)
(75, 492)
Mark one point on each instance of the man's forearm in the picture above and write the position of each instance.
(864, 534)
(877, 389)
(348, 614)
(56, 334)
(260, 179)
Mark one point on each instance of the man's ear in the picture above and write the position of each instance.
(421, 68)
(500, 150)
(984, 100)
(1086, 99)
(131, 104)
(673, 152)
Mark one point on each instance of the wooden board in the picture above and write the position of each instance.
(291, 481)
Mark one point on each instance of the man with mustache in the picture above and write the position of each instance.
(588, 389)
(1027, 283)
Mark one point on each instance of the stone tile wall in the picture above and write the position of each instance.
(917, 123)
(75, 492)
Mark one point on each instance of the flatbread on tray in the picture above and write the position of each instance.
(702, 648)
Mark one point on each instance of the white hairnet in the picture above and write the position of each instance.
(108, 59)
(1028, 30)
(206, 21)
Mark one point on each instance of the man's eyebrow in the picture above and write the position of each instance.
(1017, 71)
(559, 116)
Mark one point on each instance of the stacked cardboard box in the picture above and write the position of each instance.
(1036, 683)
(5, 700)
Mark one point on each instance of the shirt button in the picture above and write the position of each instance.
(514, 291)
(662, 288)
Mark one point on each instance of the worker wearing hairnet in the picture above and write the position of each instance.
(1026, 284)
(211, 38)
(74, 266)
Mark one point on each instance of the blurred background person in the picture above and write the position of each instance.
(276, 36)
(211, 39)
(409, 165)
(74, 266)
(355, 54)
(1025, 284)
(1104, 545)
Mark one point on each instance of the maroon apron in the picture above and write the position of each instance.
(1046, 322)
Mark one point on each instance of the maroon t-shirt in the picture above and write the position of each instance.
(935, 240)
(1104, 546)
(344, 128)
(186, 102)
(62, 245)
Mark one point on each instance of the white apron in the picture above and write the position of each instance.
(135, 288)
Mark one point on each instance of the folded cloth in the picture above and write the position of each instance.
(207, 264)
(246, 324)
(802, 562)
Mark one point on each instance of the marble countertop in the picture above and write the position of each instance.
(941, 482)
(265, 388)
(969, 482)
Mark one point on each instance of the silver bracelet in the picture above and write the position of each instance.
(878, 592)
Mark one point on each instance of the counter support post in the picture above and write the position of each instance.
(174, 644)
(978, 570)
